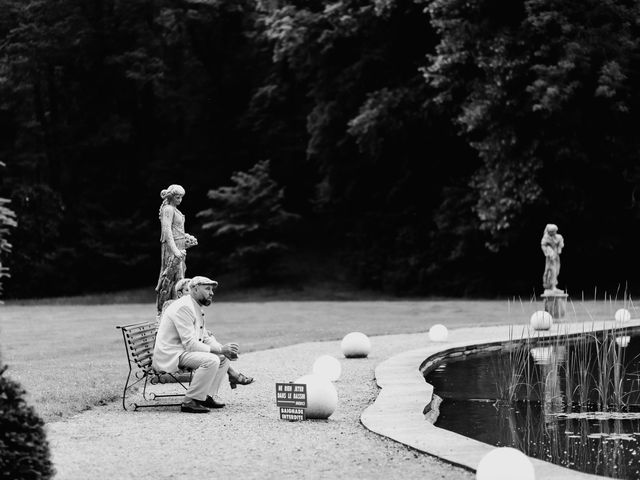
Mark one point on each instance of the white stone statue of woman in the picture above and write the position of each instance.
(173, 244)
(552, 244)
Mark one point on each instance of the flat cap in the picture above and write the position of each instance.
(200, 280)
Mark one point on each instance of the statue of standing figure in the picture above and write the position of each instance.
(552, 244)
(173, 244)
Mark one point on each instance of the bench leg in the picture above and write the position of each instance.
(128, 386)
(151, 396)
(124, 392)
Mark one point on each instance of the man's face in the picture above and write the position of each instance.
(203, 294)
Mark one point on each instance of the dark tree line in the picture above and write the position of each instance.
(427, 143)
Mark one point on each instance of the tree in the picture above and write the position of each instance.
(543, 90)
(103, 104)
(384, 156)
(7, 221)
(358, 62)
(247, 220)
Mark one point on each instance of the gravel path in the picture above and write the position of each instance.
(246, 439)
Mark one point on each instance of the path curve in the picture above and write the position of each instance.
(246, 439)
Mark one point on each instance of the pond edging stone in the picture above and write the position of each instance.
(397, 412)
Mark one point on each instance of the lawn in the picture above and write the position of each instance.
(71, 357)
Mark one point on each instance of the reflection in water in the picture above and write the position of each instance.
(606, 447)
(575, 405)
(623, 341)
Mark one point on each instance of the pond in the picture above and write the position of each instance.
(571, 401)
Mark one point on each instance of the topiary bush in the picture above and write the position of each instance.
(24, 450)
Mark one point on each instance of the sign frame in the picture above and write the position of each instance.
(291, 395)
(292, 400)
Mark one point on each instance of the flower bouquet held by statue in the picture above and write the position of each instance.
(190, 241)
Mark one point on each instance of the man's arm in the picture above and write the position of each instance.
(229, 350)
(184, 322)
(212, 342)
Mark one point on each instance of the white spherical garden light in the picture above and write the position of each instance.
(322, 397)
(438, 333)
(505, 463)
(622, 315)
(541, 320)
(355, 345)
(328, 367)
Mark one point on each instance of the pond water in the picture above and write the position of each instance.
(571, 403)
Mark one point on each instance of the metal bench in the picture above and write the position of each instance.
(139, 339)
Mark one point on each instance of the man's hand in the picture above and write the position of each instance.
(230, 350)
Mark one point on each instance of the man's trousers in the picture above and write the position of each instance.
(209, 371)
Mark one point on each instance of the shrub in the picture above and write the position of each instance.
(24, 450)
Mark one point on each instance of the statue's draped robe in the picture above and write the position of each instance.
(172, 268)
(551, 246)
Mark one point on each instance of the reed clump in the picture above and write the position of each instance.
(587, 370)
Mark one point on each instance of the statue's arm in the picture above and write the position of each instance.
(166, 221)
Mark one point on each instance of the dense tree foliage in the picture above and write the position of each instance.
(7, 221)
(104, 104)
(546, 92)
(426, 142)
(248, 222)
(384, 156)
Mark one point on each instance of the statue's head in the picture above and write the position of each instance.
(173, 193)
(551, 229)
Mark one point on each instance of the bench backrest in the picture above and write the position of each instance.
(139, 340)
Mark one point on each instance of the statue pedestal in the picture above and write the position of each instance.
(555, 302)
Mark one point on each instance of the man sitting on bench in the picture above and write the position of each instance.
(182, 342)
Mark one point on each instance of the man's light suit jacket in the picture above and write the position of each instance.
(182, 329)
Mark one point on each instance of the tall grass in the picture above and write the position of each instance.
(511, 369)
(592, 366)
(561, 398)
